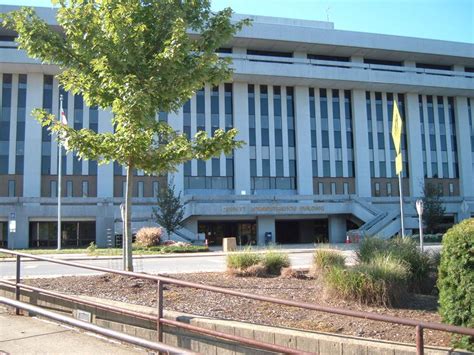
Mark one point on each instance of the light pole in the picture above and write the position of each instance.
(122, 214)
(419, 209)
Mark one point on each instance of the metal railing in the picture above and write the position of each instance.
(160, 320)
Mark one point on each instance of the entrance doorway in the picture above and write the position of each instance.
(287, 232)
(301, 231)
(215, 231)
(3, 234)
(74, 234)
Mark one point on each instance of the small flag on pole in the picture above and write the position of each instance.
(63, 117)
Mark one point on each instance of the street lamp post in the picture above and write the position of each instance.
(419, 210)
(122, 214)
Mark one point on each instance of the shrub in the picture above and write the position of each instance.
(91, 249)
(148, 236)
(456, 280)
(403, 249)
(381, 282)
(243, 260)
(274, 261)
(369, 247)
(325, 259)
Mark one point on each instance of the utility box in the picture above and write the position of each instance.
(229, 244)
(268, 238)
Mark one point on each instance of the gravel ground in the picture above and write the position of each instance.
(210, 304)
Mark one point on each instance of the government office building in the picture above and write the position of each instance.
(314, 105)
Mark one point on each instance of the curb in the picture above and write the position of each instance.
(79, 257)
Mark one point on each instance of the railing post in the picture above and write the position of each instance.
(17, 281)
(420, 348)
(159, 301)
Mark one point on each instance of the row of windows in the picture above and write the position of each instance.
(271, 123)
(379, 126)
(438, 136)
(216, 113)
(331, 117)
(77, 118)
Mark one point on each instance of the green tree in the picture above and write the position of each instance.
(170, 211)
(134, 57)
(433, 209)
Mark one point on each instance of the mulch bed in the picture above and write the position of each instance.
(305, 289)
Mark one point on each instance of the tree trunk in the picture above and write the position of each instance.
(127, 237)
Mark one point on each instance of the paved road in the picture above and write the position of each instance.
(177, 264)
(169, 264)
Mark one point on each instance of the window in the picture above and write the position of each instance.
(389, 189)
(216, 167)
(156, 189)
(53, 188)
(333, 188)
(331, 58)
(69, 192)
(85, 188)
(321, 188)
(140, 188)
(346, 188)
(11, 188)
(377, 189)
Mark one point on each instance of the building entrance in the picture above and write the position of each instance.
(245, 232)
(301, 231)
(74, 234)
(3, 234)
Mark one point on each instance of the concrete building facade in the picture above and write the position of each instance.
(314, 106)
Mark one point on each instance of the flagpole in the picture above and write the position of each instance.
(397, 124)
(401, 203)
(60, 159)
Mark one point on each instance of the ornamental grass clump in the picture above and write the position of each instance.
(243, 260)
(382, 281)
(403, 249)
(456, 280)
(274, 261)
(249, 263)
(325, 259)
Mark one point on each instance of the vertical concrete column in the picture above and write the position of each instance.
(175, 120)
(241, 123)
(337, 229)
(361, 144)
(415, 151)
(32, 171)
(265, 224)
(303, 142)
(105, 172)
(466, 178)
(13, 124)
(19, 239)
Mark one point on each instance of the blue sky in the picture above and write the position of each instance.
(451, 20)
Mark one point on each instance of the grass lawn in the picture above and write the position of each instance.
(114, 251)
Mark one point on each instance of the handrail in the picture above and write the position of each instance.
(347, 65)
(95, 328)
(420, 325)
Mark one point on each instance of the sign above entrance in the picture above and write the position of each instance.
(303, 209)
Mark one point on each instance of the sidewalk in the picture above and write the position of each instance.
(213, 251)
(30, 335)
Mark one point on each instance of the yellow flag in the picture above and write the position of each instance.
(398, 164)
(396, 127)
